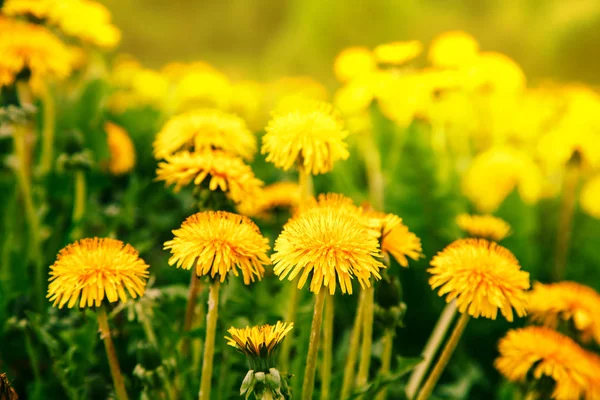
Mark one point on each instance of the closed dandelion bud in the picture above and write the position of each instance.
(247, 383)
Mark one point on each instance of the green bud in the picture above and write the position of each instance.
(260, 376)
(274, 379)
(247, 382)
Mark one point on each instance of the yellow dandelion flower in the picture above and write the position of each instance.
(205, 129)
(396, 239)
(221, 170)
(356, 96)
(90, 269)
(496, 172)
(122, 151)
(202, 89)
(219, 243)
(483, 226)
(496, 72)
(32, 47)
(277, 195)
(535, 352)
(397, 53)
(557, 147)
(483, 277)
(259, 342)
(569, 301)
(306, 133)
(354, 62)
(590, 197)
(330, 245)
(453, 49)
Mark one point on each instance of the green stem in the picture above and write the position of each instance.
(386, 359)
(193, 292)
(49, 125)
(148, 329)
(308, 384)
(348, 381)
(447, 352)
(327, 347)
(111, 353)
(290, 316)
(565, 222)
(367, 338)
(431, 348)
(373, 169)
(306, 185)
(209, 342)
(78, 204)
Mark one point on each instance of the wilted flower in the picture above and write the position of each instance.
(590, 197)
(453, 49)
(219, 243)
(259, 343)
(353, 62)
(483, 226)
(122, 151)
(397, 53)
(90, 269)
(482, 276)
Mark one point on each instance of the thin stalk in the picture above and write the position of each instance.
(447, 352)
(79, 203)
(386, 359)
(348, 380)
(209, 342)
(308, 384)
(431, 348)
(49, 125)
(148, 329)
(306, 185)
(565, 222)
(327, 347)
(193, 292)
(111, 353)
(367, 338)
(373, 169)
(197, 344)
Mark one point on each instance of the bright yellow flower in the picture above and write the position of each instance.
(353, 62)
(205, 129)
(306, 133)
(221, 171)
(483, 226)
(219, 243)
(402, 97)
(495, 173)
(122, 151)
(32, 47)
(330, 245)
(590, 197)
(537, 352)
(482, 276)
(397, 240)
(453, 49)
(397, 53)
(259, 342)
(90, 269)
(277, 195)
(86, 20)
(568, 301)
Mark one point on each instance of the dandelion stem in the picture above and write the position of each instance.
(374, 173)
(435, 374)
(386, 359)
(194, 289)
(49, 125)
(306, 185)
(565, 222)
(308, 384)
(431, 348)
(367, 338)
(348, 380)
(79, 203)
(209, 342)
(111, 353)
(327, 347)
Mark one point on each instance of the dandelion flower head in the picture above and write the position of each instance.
(396, 239)
(354, 62)
(397, 53)
(453, 49)
(280, 195)
(259, 343)
(483, 226)
(122, 151)
(89, 270)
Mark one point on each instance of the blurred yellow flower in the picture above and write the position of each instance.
(329, 245)
(219, 243)
(122, 151)
(453, 49)
(247, 102)
(401, 97)
(568, 301)
(356, 96)
(221, 171)
(305, 133)
(259, 341)
(590, 197)
(397, 53)
(275, 196)
(482, 276)
(32, 47)
(205, 129)
(202, 89)
(495, 173)
(537, 352)
(492, 71)
(483, 226)
(90, 269)
(353, 63)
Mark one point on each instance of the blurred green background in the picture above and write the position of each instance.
(550, 39)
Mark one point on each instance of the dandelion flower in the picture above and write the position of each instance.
(305, 132)
(535, 352)
(280, 195)
(590, 197)
(224, 171)
(483, 226)
(219, 243)
(201, 88)
(453, 49)
(397, 240)
(259, 342)
(496, 72)
(331, 245)
(568, 301)
(354, 62)
(397, 53)
(483, 277)
(204, 130)
(122, 151)
(90, 269)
